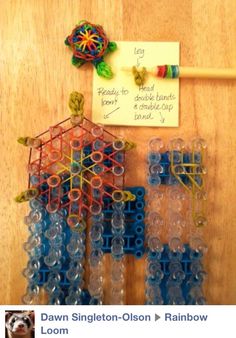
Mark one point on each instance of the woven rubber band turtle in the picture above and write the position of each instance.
(89, 43)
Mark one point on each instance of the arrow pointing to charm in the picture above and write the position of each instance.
(162, 118)
(106, 116)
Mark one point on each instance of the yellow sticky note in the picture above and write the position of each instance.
(120, 101)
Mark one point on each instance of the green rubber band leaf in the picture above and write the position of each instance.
(104, 70)
(67, 42)
(77, 62)
(112, 46)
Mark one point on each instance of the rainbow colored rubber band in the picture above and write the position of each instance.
(168, 71)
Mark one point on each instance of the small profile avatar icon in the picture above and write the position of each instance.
(19, 324)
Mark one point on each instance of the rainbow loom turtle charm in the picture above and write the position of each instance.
(89, 43)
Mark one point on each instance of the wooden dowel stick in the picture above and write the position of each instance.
(207, 73)
(197, 72)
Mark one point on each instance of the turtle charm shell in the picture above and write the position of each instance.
(89, 43)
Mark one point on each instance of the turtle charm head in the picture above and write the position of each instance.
(89, 43)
